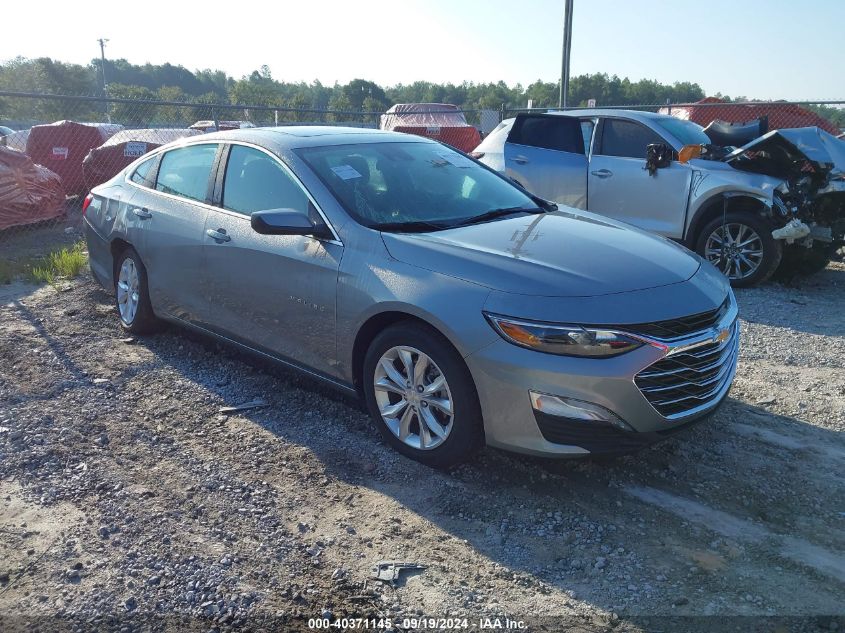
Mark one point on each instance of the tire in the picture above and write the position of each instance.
(130, 280)
(455, 438)
(741, 227)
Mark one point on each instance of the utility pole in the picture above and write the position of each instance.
(102, 42)
(565, 54)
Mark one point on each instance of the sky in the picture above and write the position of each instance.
(775, 49)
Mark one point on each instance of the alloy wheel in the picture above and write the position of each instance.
(128, 290)
(736, 249)
(413, 397)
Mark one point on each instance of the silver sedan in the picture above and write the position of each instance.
(462, 309)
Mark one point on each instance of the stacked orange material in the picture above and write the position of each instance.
(29, 193)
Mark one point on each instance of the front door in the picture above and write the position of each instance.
(620, 186)
(275, 293)
(545, 154)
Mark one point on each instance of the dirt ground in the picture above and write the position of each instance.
(128, 501)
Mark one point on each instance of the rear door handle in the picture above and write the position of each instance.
(142, 213)
(520, 159)
(602, 173)
(218, 235)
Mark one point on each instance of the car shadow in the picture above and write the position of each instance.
(732, 502)
(576, 526)
(798, 304)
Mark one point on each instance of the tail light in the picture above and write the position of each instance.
(477, 155)
(86, 203)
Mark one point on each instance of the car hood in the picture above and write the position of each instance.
(783, 153)
(564, 254)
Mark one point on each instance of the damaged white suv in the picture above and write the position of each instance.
(776, 203)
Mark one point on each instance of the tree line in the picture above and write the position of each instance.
(199, 89)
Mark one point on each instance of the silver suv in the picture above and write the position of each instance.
(778, 201)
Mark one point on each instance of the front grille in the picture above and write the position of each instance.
(688, 381)
(675, 328)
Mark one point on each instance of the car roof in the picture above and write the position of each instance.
(628, 114)
(636, 115)
(294, 137)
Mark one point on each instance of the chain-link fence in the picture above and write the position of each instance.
(62, 146)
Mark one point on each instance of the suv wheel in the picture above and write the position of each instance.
(421, 396)
(742, 247)
(131, 295)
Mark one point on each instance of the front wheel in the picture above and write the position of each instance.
(421, 396)
(742, 247)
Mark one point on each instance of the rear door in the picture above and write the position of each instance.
(275, 293)
(173, 218)
(545, 154)
(620, 186)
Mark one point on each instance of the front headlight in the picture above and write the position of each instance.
(566, 340)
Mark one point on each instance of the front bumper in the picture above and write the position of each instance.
(504, 374)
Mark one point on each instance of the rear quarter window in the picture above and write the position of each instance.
(562, 134)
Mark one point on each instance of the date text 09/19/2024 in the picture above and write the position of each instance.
(417, 624)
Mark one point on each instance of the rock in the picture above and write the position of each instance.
(154, 580)
(4, 577)
(130, 604)
(314, 550)
(681, 601)
(72, 574)
(103, 531)
(101, 440)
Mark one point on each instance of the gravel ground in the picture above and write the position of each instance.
(128, 500)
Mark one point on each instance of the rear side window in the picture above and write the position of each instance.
(185, 171)
(626, 139)
(559, 133)
(257, 182)
(142, 174)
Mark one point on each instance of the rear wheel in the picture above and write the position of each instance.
(421, 396)
(742, 247)
(131, 294)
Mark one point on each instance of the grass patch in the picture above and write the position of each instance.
(62, 264)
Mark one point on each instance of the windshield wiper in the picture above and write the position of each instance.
(416, 226)
(498, 213)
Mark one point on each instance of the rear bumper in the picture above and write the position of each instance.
(99, 255)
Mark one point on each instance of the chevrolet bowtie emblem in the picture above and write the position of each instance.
(721, 336)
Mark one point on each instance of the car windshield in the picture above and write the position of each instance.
(687, 132)
(414, 185)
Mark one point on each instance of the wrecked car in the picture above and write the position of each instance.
(774, 204)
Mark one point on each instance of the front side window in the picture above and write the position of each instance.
(142, 174)
(559, 133)
(394, 184)
(185, 171)
(686, 132)
(626, 139)
(257, 182)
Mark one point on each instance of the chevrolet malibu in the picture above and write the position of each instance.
(461, 309)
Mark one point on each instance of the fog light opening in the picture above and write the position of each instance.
(577, 410)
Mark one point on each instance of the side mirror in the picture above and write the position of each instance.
(287, 222)
(658, 155)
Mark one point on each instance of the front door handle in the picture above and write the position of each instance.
(520, 159)
(142, 213)
(218, 235)
(602, 173)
